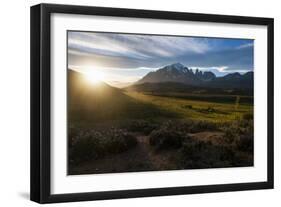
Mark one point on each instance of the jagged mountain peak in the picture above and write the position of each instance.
(179, 73)
(178, 66)
(175, 66)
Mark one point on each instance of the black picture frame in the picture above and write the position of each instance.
(41, 95)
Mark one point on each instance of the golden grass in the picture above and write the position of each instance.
(196, 110)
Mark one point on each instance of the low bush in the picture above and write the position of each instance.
(93, 144)
(200, 126)
(231, 134)
(141, 126)
(237, 129)
(198, 154)
(236, 150)
(73, 132)
(191, 126)
(171, 134)
(85, 146)
(245, 143)
(118, 140)
(166, 138)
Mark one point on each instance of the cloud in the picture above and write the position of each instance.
(143, 53)
(219, 68)
(134, 46)
(97, 45)
(245, 45)
(232, 59)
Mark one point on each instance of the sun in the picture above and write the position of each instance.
(94, 76)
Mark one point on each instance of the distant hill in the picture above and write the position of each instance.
(234, 80)
(181, 74)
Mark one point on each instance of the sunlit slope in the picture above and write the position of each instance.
(100, 101)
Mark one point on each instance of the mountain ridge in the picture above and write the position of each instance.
(179, 73)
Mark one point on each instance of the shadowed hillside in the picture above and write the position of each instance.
(89, 102)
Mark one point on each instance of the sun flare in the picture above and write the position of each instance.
(94, 77)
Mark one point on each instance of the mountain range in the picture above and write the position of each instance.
(179, 73)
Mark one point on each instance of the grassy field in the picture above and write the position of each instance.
(195, 109)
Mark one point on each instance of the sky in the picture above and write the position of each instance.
(125, 58)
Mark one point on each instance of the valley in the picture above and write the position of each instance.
(199, 121)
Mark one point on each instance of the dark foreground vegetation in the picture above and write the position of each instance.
(174, 144)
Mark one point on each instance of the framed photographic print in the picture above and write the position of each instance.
(132, 103)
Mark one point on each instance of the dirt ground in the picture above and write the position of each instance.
(143, 157)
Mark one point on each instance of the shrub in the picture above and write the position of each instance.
(166, 139)
(171, 134)
(73, 132)
(247, 127)
(85, 146)
(236, 129)
(231, 133)
(190, 126)
(93, 144)
(200, 126)
(199, 154)
(245, 143)
(117, 140)
(141, 126)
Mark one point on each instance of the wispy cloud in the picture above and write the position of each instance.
(134, 46)
(97, 45)
(134, 55)
(245, 45)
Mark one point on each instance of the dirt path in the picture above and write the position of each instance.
(215, 137)
(158, 160)
(141, 158)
